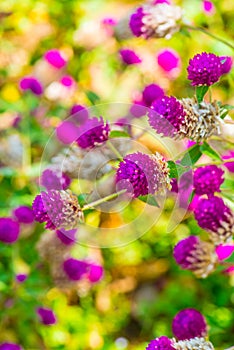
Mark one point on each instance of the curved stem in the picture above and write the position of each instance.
(103, 200)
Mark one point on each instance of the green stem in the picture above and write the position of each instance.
(203, 30)
(114, 150)
(103, 200)
(218, 162)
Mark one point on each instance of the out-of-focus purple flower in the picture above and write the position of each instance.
(75, 269)
(52, 181)
(79, 113)
(161, 343)
(151, 93)
(138, 109)
(67, 81)
(110, 21)
(10, 346)
(229, 270)
(93, 132)
(167, 116)
(224, 251)
(189, 323)
(169, 60)
(24, 214)
(208, 179)
(142, 174)
(67, 237)
(21, 277)
(212, 214)
(32, 84)
(95, 273)
(204, 69)
(46, 316)
(40, 212)
(227, 164)
(67, 132)
(161, 2)
(129, 57)
(9, 230)
(208, 7)
(226, 64)
(55, 58)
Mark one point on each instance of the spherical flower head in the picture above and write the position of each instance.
(10, 346)
(52, 181)
(208, 7)
(142, 174)
(95, 273)
(21, 277)
(167, 116)
(9, 230)
(226, 64)
(208, 179)
(161, 2)
(24, 214)
(161, 343)
(151, 93)
(189, 323)
(40, 212)
(129, 57)
(93, 133)
(79, 113)
(184, 250)
(204, 69)
(229, 165)
(224, 251)
(67, 81)
(168, 60)
(67, 132)
(75, 269)
(67, 237)
(55, 58)
(32, 84)
(136, 22)
(46, 316)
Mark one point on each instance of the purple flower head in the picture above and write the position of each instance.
(141, 174)
(67, 132)
(212, 214)
(184, 250)
(224, 251)
(40, 212)
(208, 7)
(10, 346)
(151, 93)
(32, 84)
(227, 164)
(53, 181)
(24, 214)
(21, 277)
(136, 22)
(67, 81)
(67, 237)
(208, 179)
(189, 323)
(161, 343)
(226, 64)
(9, 230)
(161, 2)
(75, 269)
(167, 116)
(93, 132)
(138, 109)
(46, 316)
(55, 58)
(109, 21)
(204, 69)
(129, 57)
(95, 273)
(168, 60)
(79, 113)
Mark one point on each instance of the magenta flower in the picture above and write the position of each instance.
(55, 58)
(168, 60)
(52, 181)
(9, 230)
(110, 21)
(227, 164)
(151, 93)
(24, 214)
(79, 114)
(204, 69)
(46, 316)
(40, 212)
(67, 237)
(208, 7)
(75, 269)
(208, 179)
(10, 346)
(161, 343)
(224, 251)
(21, 277)
(189, 323)
(129, 57)
(161, 2)
(32, 84)
(67, 132)
(136, 22)
(67, 81)
(95, 273)
(93, 133)
(226, 64)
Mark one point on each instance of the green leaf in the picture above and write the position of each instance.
(192, 194)
(192, 156)
(185, 32)
(92, 97)
(227, 107)
(209, 151)
(200, 92)
(118, 133)
(149, 199)
(82, 199)
(176, 170)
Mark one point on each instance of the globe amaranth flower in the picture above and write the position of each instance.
(79, 113)
(52, 181)
(224, 251)
(46, 316)
(196, 343)
(151, 93)
(142, 174)
(229, 164)
(208, 7)
(161, 343)
(195, 255)
(21, 277)
(208, 179)
(55, 58)
(204, 69)
(10, 346)
(213, 215)
(168, 60)
(167, 116)
(226, 64)
(58, 209)
(67, 132)
(95, 273)
(189, 323)
(75, 269)
(32, 84)
(93, 133)
(9, 230)
(129, 57)
(157, 21)
(24, 214)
